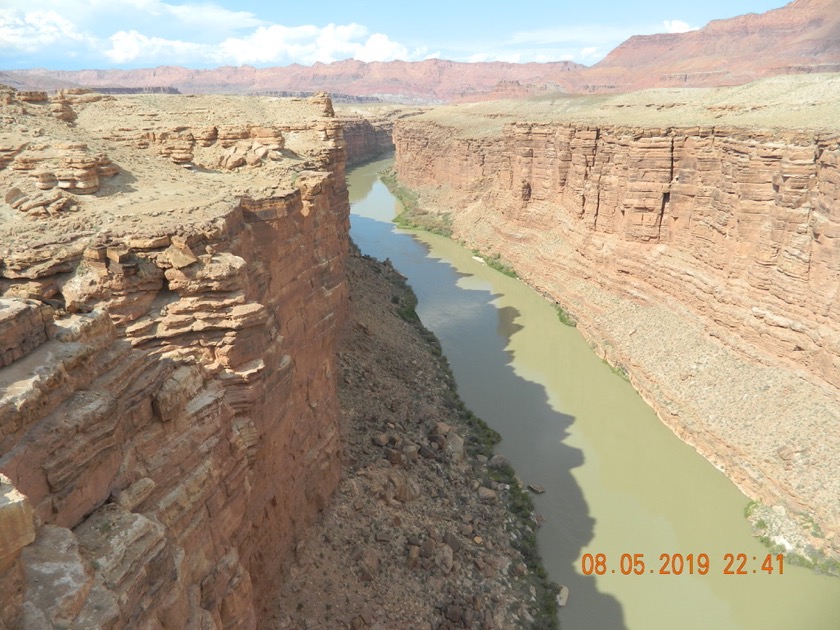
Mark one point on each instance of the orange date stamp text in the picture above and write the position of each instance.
(682, 564)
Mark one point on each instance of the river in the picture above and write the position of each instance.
(616, 480)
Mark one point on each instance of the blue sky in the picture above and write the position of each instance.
(78, 34)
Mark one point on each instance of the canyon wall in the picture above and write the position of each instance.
(703, 259)
(168, 413)
(366, 138)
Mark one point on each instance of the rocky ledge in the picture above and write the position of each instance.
(173, 326)
(169, 424)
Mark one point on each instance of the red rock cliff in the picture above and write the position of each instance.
(367, 137)
(730, 233)
(168, 414)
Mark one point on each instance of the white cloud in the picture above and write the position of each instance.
(677, 26)
(581, 43)
(267, 44)
(584, 55)
(31, 31)
(506, 56)
(149, 32)
(157, 32)
(379, 48)
(129, 46)
(337, 42)
(195, 15)
(308, 44)
(212, 16)
(592, 34)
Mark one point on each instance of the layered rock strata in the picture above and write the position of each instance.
(367, 137)
(368, 130)
(704, 259)
(168, 414)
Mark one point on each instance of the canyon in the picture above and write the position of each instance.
(368, 132)
(216, 413)
(692, 234)
(197, 418)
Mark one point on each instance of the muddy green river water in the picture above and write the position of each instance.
(616, 480)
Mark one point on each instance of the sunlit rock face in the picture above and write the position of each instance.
(740, 225)
(732, 231)
(168, 416)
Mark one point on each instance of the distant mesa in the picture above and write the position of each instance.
(432, 80)
(149, 89)
(801, 37)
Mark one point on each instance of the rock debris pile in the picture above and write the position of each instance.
(421, 532)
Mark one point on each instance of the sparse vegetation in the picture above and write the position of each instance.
(810, 558)
(565, 316)
(495, 261)
(817, 562)
(618, 369)
(521, 506)
(412, 216)
(408, 313)
(810, 524)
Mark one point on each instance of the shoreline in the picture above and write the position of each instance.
(776, 528)
(424, 517)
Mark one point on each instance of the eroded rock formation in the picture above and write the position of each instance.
(367, 137)
(394, 81)
(168, 416)
(660, 238)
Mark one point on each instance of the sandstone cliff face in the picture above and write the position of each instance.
(743, 224)
(734, 228)
(367, 137)
(168, 415)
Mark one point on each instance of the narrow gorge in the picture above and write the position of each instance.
(200, 425)
(216, 413)
(693, 236)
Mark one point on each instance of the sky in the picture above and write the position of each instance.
(85, 34)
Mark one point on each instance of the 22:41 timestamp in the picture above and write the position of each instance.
(683, 564)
